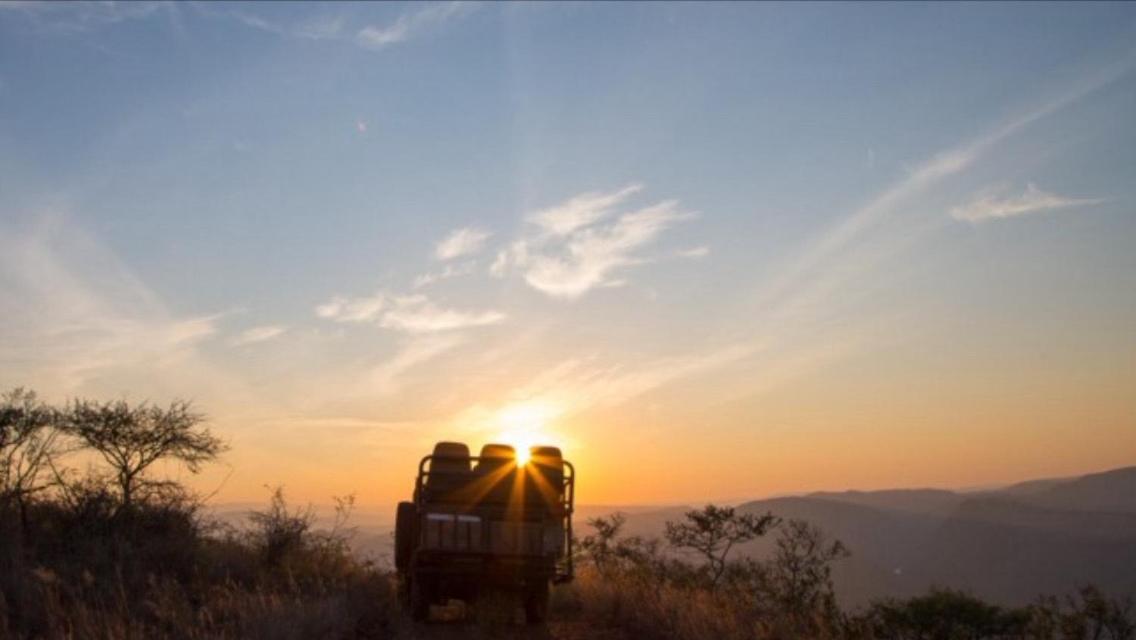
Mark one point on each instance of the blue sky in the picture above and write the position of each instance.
(705, 230)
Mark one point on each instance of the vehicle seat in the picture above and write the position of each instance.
(544, 481)
(497, 465)
(449, 469)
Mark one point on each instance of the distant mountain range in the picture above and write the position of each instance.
(1008, 545)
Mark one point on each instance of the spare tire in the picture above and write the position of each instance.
(405, 533)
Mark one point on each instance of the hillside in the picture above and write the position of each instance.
(1008, 545)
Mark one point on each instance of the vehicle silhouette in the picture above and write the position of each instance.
(486, 524)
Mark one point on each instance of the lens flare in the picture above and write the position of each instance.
(524, 425)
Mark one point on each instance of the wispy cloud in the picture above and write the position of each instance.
(694, 252)
(83, 16)
(408, 313)
(799, 283)
(409, 25)
(580, 211)
(362, 309)
(450, 271)
(258, 334)
(334, 26)
(417, 314)
(461, 242)
(576, 385)
(576, 246)
(74, 313)
(990, 205)
(387, 377)
(323, 26)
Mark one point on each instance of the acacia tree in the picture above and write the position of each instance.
(131, 438)
(799, 576)
(29, 443)
(600, 546)
(714, 531)
(611, 553)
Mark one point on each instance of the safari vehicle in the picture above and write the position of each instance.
(494, 522)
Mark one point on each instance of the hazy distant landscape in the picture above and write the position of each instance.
(1006, 545)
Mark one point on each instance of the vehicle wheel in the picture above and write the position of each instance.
(404, 534)
(536, 603)
(421, 595)
(403, 590)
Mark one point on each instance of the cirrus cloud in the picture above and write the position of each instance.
(407, 313)
(258, 334)
(461, 242)
(580, 244)
(990, 206)
(408, 25)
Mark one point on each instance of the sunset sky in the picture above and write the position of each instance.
(713, 251)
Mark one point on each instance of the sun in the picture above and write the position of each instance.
(525, 425)
(521, 441)
(523, 455)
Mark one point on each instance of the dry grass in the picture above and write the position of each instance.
(624, 605)
(363, 606)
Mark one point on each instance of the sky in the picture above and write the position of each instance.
(713, 251)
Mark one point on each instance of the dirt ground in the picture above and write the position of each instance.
(456, 622)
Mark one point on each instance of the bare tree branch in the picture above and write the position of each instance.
(132, 438)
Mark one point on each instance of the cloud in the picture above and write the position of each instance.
(450, 271)
(74, 314)
(319, 27)
(576, 385)
(341, 309)
(811, 292)
(989, 206)
(579, 384)
(500, 264)
(416, 314)
(334, 27)
(410, 314)
(258, 334)
(374, 37)
(799, 282)
(577, 246)
(694, 252)
(461, 242)
(79, 17)
(385, 377)
(408, 25)
(580, 211)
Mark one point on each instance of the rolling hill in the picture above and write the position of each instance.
(1007, 545)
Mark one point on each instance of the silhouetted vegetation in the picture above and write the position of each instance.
(643, 589)
(130, 438)
(945, 614)
(713, 532)
(650, 589)
(111, 552)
